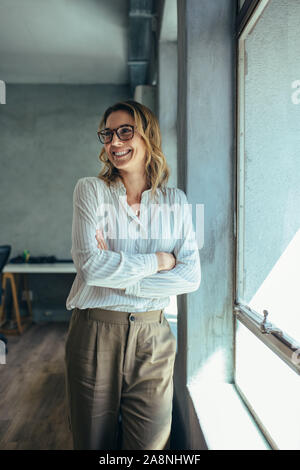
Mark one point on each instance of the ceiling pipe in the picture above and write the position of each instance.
(141, 18)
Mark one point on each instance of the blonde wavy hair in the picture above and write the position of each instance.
(157, 170)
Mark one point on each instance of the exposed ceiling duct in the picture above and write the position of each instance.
(140, 41)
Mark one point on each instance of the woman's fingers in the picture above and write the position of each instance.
(102, 246)
(99, 236)
(100, 239)
(99, 233)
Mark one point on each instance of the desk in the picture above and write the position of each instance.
(25, 268)
(11, 273)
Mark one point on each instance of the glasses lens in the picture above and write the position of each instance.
(125, 133)
(105, 136)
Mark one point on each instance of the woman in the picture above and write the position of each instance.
(133, 246)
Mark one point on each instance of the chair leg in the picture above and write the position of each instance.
(15, 301)
(10, 277)
(2, 312)
(28, 320)
(26, 290)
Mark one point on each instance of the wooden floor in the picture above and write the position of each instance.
(33, 413)
(32, 390)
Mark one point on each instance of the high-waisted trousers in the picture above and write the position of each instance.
(119, 379)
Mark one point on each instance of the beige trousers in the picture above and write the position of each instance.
(119, 364)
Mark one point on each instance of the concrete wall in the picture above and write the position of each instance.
(48, 141)
(205, 172)
(168, 83)
(167, 99)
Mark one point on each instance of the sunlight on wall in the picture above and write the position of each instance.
(171, 309)
(280, 293)
(213, 370)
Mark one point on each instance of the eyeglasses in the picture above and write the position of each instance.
(124, 132)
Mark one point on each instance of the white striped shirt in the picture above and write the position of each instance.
(125, 276)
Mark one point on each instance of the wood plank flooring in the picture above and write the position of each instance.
(33, 413)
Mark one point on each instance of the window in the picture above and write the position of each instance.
(267, 353)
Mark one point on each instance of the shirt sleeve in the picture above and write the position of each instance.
(103, 268)
(186, 275)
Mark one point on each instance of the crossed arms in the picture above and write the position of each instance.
(140, 275)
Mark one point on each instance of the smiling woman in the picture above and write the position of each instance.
(145, 143)
(120, 350)
(125, 148)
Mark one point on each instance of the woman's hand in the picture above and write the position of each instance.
(166, 261)
(100, 239)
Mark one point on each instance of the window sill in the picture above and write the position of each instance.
(225, 421)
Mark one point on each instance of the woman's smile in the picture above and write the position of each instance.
(120, 154)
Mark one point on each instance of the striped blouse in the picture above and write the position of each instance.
(124, 277)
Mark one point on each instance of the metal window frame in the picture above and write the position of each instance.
(278, 341)
(240, 141)
(285, 347)
(244, 14)
(280, 345)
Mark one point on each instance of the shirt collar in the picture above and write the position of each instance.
(119, 187)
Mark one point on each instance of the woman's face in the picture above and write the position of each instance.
(129, 155)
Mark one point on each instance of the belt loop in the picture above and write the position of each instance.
(88, 314)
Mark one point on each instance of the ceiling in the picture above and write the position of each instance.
(64, 41)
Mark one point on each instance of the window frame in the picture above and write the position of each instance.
(285, 347)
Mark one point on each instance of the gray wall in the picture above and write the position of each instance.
(167, 84)
(205, 172)
(48, 141)
(167, 99)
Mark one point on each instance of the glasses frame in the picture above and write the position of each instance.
(117, 133)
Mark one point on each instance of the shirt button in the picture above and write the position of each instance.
(132, 318)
